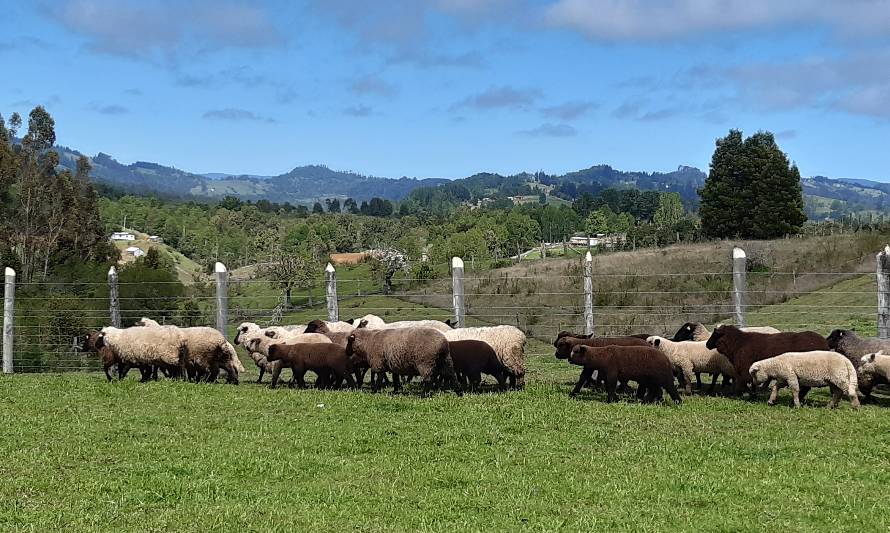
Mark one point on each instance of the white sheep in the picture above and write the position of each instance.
(694, 331)
(507, 341)
(874, 370)
(691, 357)
(139, 346)
(206, 351)
(371, 322)
(802, 370)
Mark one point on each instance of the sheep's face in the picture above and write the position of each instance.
(868, 363)
(834, 339)
(99, 343)
(714, 339)
(315, 326)
(757, 375)
(577, 355)
(242, 329)
(653, 341)
(362, 325)
(564, 348)
(88, 342)
(686, 332)
(253, 345)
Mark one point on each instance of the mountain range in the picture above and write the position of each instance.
(306, 184)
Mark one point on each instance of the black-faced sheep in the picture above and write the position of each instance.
(322, 358)
(848, 343)
(802, 370)
(649, 367)
(744, 348)
(508, 343)
(472, 358)
(691, 357)
(874, 369)
(404, 351)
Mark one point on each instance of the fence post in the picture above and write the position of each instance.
(222, 297)
(883, 260)
(739, 290)
(331, 280)
(114, 298)
(457, 288)
(588, 294)
(8, 320)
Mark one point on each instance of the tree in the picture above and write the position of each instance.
(317, 209)
(231, 203)
(350, 206)
(333, 205)
(387, 262)
(522, 231)
(670, 210)
(290, 269)
(542, 198)
(599, 221)
(752, 190)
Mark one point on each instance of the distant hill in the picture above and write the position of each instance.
(825, 197)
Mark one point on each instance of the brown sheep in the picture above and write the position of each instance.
(564, 345)
(474, 357)
(744, 348)
(404, 351)
(322, 358)
(649, 367)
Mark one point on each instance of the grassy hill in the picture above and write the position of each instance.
(187, 270)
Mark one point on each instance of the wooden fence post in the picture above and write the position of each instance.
(114, 298)
(457, 287)
(222, 297)
(883, 260)
(331, 281)
(588, 294)
(739, 290)
(8, 320)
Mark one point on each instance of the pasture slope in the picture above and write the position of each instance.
(84, 454)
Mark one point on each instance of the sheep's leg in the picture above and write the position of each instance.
(672, 392)
(795, 391)
(107, 373)
(348, 377)
(836, 394)
(611, 385)
(865, 389)
(299, 377)
(687, 376)
(502, 381)
(276, 374)
(146, 374)
(698, 380)
(803, 392)
(582, 379)
(262, 371)
(774, 394)
(397, 383)
(475, 381)
(641, 393)
(854, 399)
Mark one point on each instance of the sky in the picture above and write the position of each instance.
(447, 88)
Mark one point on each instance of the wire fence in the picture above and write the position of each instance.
(651, 297)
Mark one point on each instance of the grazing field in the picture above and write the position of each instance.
(86, 455)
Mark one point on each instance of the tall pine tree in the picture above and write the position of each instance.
(752, 190)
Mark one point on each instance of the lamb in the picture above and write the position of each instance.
(433, 324)
(323, 358)
(564, 345)
(106, 355)
(565, 333)
(207, 350)
(802, 370)
(693, 357)
(874, 369)
(263, 365)
(508, 343)
(141, 347)
(260, 342)
(473, 357)
(373, 321)
(695, 331)
(403, 351)
(649, 367)
(848, 343)
(745, 348)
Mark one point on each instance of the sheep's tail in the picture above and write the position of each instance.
(852, 380)
(229, 350)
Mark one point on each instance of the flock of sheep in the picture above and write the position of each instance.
(339, 353)
(342, 353)
(746, 357)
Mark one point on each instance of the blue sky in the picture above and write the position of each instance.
(451, 87)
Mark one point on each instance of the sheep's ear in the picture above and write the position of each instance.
(688, 327)
(270, 334)
(350, 321)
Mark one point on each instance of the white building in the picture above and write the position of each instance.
(155, 238)
(135, 251)
(122, 236)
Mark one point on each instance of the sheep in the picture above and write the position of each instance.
(874, 369)
(565, 333)
(433, 324)
(323, 358)
(403, 351)
(695, 331)
(564, 345)
(802, 370)
(473, 357)
(140, 346)
(263, 365)
(744, 348)
(693, 357)
(261, 341)
(848, 343)
(106, 355)
(207, 350)
(649, 367)
(373, 321)
(508, 343)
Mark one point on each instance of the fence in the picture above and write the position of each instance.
(598, 295)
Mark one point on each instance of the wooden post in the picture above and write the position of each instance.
(8, 320)
(739, 291)
(331, 281)
(222, 297)
(114, 298)
(883, 260)
(588, 294)
(457, 288)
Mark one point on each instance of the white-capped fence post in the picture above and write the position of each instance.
(588, 294)
(8, 320)
(114, 298)
(331, 280)
(883, 260)
(222, 297)
(457, 288)
(739, 290)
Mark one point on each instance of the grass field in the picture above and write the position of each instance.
(86, 455)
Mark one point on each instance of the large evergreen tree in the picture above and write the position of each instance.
(752, 190)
